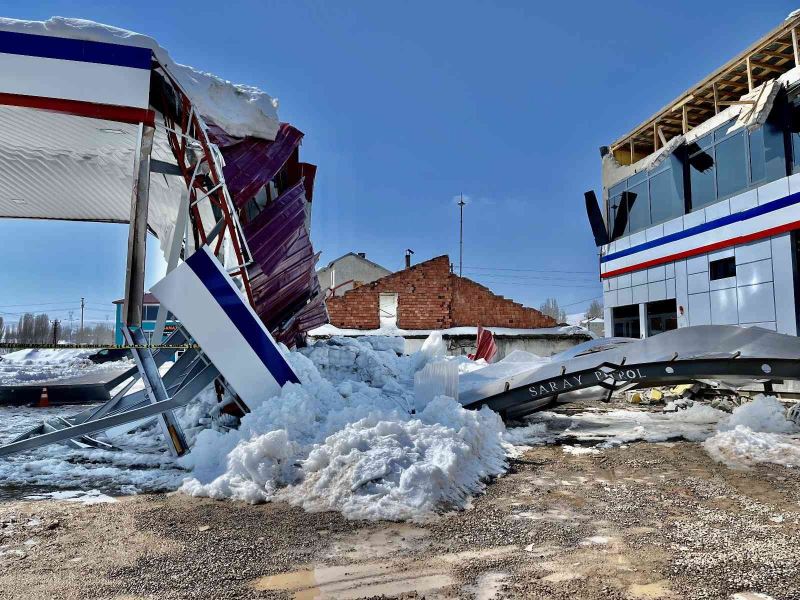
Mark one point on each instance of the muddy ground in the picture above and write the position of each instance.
(643, 521)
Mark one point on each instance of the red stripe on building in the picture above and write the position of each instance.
(742, 239)
(109, 112)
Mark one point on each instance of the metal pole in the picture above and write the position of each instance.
(82, 303)
(137, 233)
(461, 204)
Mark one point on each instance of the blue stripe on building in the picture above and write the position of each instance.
(244, 320)
(46, 46)
(744, 215)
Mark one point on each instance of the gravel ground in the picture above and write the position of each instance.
(644, 521)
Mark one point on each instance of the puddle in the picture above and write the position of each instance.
(356, 581)
(657, 589)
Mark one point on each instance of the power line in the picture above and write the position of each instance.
(533, 270)
(580, 301)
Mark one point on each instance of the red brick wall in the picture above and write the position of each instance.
(430, 297)
(474, 304)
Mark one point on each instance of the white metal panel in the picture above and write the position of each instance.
(699, 309)
(622, 243)
(639, 294)
(697, 264)
(756, 303)
(624, 280)
(637, 238)
(235, 346)
(724, 310)
(624, 296)
(773, 190)
(721, 284)
(657, 291)
(718, 210)
(607, 283)
(783, 275)
(639, 277)
(697, 217)
(748, 199)
(673, 226)
(74, 80)
(754, 272)
(758, 250)
(720, 254)
(658, 273)
(794, 183)
(681, 292)
(669, 270)
(671, 288)
(610, 298)
(655, 232)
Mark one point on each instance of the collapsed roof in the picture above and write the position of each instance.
(72, 104)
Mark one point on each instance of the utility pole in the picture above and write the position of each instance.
(56, 324)
(82, 304)
(461, 204)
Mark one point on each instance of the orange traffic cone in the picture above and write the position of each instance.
(44, 399)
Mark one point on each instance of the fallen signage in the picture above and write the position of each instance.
(733, 356)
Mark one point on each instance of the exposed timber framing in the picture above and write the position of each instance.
(768, 58)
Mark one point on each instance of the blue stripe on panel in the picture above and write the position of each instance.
(715, 224)
(231, 302)
(46, 46)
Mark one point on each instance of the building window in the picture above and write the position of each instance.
(625, 321)
(722, 268)
(150, 312)
(661, 316)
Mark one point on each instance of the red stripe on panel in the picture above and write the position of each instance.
(742, 239)
(109, 112)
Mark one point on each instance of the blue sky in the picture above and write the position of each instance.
(405, 105)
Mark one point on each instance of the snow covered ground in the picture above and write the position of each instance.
(346, 439)
(31, 366)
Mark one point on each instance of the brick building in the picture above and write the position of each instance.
(429, 296)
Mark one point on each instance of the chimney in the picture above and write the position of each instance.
(362, 254)
(409, 252)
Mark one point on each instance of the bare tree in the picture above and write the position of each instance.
(25, 333)
(41, 329)
(551, 308)
(595, 310)
(2, 328)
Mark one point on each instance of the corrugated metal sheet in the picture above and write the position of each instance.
(283, 277)
(252, 163)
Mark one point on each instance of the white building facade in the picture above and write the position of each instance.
(704, 222)
(348, 272)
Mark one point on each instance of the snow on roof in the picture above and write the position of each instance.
(560, 331)
(240, 110)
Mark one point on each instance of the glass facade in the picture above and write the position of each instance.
(716, 166)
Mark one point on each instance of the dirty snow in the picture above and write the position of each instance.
(31, 366)
(353, 438)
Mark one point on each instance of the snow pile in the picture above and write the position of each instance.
(31, 366)
(240, 110)
(756, 432)
(344, 440)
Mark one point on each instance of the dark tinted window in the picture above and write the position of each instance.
(731, 163)
(150, 313)
(638, 207)
(666, 196)
(701, 178)
(758, 168)
(721, 269)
